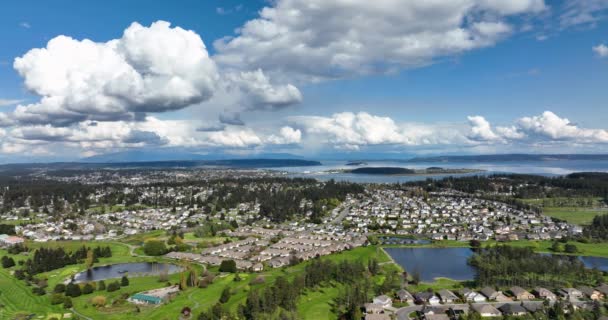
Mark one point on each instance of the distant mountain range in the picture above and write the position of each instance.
(164, 155)
(26, 168)
(511, 157)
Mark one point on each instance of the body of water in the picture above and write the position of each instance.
(548, 168)
(131, 269)
(451, 263)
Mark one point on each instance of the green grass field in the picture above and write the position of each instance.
(17, 298)
(575, 215)
(578, 211)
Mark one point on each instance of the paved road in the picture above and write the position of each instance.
(341, 216)
(80, 315)
(404, 313)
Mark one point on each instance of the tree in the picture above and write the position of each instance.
(59, 288)
(124, 281)
(38, 291)
(556, 247)
(90, 259)
(225, 295)
(72, 290)
(101, 285)
(570, 248)
(155, 248)
(57, 298)
(7, 262)
(67, 303)
(228, 266)
(113, 286)
(87, 289)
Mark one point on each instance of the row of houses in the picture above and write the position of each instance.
(488, 302)
(514, 293)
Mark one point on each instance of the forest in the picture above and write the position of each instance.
(582, 184)
(598, 229)
(504, 265)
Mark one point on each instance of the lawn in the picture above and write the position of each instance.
(578, 211)
(438, 284)
(575, 215)
(317, 304)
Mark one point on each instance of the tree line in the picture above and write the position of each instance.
(504, 265)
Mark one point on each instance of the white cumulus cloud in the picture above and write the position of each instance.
(322, 39)
(601, 50)
(150, 69)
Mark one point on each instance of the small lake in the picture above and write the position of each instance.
(433, 263)
(138, 269)
(451, 263)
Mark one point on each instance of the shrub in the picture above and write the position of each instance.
(7, 262)
(124, 281)
(59, 288)
(101, 285)
(113, 286)
(155, 248)
(67, 303)
(72, 290)
(38, 291)
(228, 266)
(87, 289)
(99, 301)
(57, 298)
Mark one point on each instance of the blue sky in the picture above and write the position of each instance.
(304, 77)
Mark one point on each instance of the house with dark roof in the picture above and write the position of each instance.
(447, 296)
(486, 310)
(512, 309)
(405, 296)
(426, 297)
(492, 294)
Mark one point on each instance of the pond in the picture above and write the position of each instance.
(137, 269)
(433, 263)
(451, 263)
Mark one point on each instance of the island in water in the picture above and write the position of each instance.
(407, 171)
(356, 163)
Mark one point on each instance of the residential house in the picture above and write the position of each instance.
(373, 308)
(493, 294)
(405, 296)
(426, 297)
(546, 294)
(471, 296)
(591, 293)
(486, 310)
(520, 293)
(570, 294)
(377, 316)
(603, 288)
(532, 306)
(383, 300)
(512, 309)
(447, 296)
